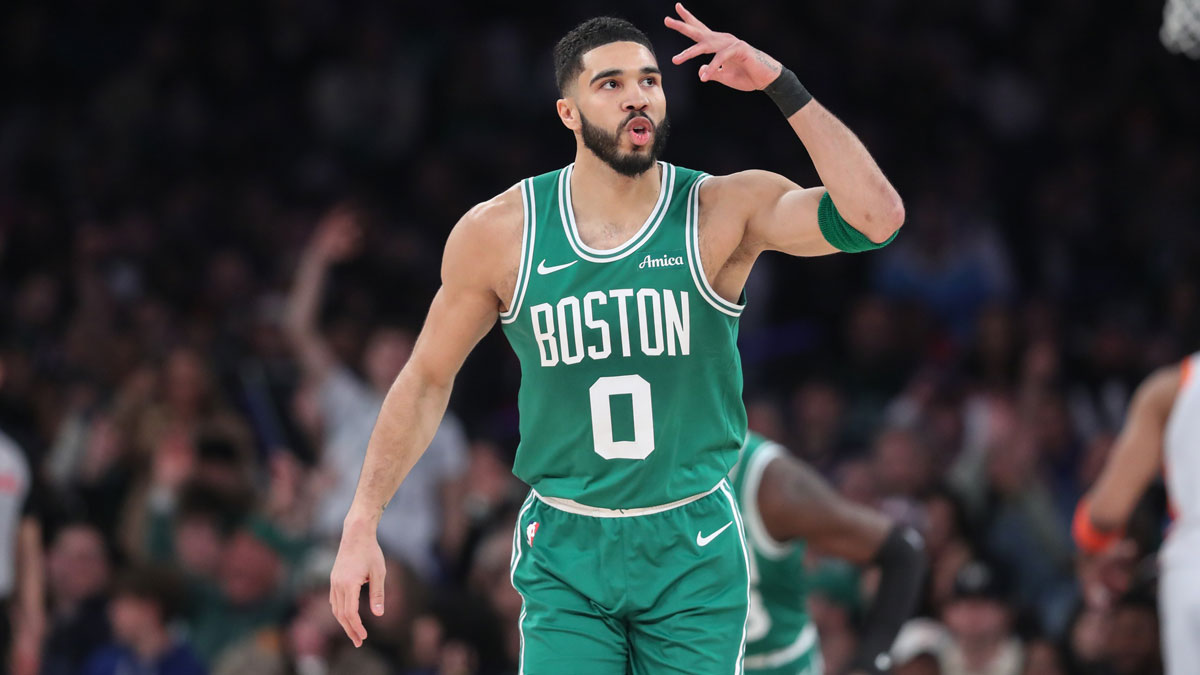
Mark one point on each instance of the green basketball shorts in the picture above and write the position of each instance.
(662, 590)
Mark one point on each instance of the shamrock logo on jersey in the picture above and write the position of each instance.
(531, 530)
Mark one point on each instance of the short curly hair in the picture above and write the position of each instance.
(602, 30)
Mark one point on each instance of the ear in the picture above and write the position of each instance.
(568, 114)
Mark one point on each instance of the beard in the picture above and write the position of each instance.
(607, 146)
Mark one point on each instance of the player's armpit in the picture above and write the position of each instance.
(778, 214)
(1136, 457)
(797, 503)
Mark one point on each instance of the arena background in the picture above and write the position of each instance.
(163, 167)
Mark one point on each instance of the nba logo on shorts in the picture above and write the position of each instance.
(531, 530)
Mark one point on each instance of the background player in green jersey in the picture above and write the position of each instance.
(786, 506)
(619, 282)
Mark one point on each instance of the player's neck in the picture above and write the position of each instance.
(600, 195)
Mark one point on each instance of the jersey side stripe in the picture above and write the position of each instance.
(692, 235)
(512, 572)
(741, 529)
(525, 267)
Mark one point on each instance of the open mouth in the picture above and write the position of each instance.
(640, 130)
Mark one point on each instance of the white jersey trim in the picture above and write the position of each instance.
(567, 212)
(525, 267)
(757, 529)
(512, 573)
(1181, 469)
(741, 528)
(781, 657)
(572, 506)
(695, 264)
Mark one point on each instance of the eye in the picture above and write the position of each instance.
(650, 82)
(606, 83)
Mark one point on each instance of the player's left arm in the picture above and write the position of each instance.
(857, 209)
(797, 503)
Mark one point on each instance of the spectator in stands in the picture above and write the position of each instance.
(144, 602)
(1044, 657)
(250, 592)
(179, 427)
(918, 646)
(1134, 642)
(78, 571)
(307, 643)
(427, 509)
(980, 622)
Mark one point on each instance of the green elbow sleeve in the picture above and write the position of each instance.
(842, 235)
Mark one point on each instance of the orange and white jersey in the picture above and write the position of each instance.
(1181, 468)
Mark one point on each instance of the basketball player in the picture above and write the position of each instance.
(618, 282)
(785, 506)
(1161, 433)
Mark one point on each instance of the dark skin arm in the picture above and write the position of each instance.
(797, 503)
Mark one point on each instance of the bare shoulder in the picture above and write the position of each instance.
(483, 251)
(495, 222)
(1158, 390)
(744, 190)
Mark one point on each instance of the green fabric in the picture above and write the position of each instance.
(839, 582)
(215, 624)
(631, 381)
(635, 595)
(841, 234)
(291, 548)
(778, 579)
(160, 536)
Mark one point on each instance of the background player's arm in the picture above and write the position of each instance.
(796, 503)
(779, 214)
(1136, 456)
(462, 312)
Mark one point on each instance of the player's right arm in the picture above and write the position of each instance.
(477, 263)
(797, 503)
(1135, 459)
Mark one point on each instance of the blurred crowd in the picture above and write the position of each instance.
(194, 340)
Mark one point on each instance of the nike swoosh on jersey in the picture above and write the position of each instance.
(702, 540)
(542, 269)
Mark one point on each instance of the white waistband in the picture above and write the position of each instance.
(572, 506)
(784, 656)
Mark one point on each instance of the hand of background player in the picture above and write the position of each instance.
(735, 64)
(1105, 577)
(359, 561)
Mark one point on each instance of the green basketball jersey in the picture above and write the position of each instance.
(778, 628)
(631, 382)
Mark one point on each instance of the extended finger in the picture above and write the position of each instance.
(692, 52)
(376, 579)
(335, 600)
(350, 614)
(688, 16)
(709, 71)
(685, 28)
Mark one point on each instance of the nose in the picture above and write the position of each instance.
(638, 103)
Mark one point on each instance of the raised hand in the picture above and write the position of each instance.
(338, 235)
(735, 63)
